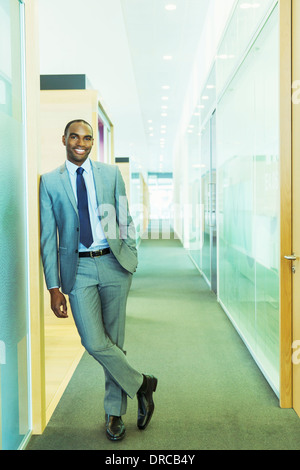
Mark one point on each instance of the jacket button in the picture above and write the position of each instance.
(77, 229)
(76, 251)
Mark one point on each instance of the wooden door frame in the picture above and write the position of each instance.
(286, 312)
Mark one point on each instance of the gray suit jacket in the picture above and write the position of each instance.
(60, 228)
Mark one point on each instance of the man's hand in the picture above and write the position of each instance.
(58, 300)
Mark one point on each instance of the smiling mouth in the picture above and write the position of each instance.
(79, 151)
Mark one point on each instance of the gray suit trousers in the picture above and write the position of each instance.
(98, 303)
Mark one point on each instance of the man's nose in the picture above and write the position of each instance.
(81, 142)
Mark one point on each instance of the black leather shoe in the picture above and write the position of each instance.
(145, 401)
(115, 429)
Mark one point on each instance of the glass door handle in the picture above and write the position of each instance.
(291, 257)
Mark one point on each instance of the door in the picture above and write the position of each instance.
(213, 202)
(295, 263)
(208, 199)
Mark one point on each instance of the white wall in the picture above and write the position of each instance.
(79, 37)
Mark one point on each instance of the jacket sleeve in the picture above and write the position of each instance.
(49, 247)
(124, 219)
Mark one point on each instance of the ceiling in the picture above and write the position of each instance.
(138, 54)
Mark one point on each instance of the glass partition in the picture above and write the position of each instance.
(14, 328)
(232, 144)
(246, 19)
(248, 197)
(201, 141)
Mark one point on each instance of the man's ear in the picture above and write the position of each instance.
(63, 140)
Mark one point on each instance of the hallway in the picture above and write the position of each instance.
(210, 395)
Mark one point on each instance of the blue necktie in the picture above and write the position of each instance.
(86, 237)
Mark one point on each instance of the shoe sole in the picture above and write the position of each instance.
(115, 439)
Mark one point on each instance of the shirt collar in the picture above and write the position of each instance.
(72, 168)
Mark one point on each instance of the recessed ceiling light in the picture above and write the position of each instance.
(225, 56)
(167, 57)
(165, 98)
(249, 5)
(170, 7)
(164, 107)
(165, 87)
(164, 114)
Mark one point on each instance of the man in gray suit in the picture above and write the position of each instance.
(89, 253)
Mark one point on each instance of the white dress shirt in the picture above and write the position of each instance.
(100, 241)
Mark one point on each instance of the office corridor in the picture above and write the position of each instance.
(210, 394)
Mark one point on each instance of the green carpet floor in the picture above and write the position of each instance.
(210, 395)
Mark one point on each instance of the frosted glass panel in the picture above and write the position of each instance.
(248, 198)
(206, 200)
(201, 139)
(243, 25)
(14, 416)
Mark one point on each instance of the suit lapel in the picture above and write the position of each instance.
(67, 185)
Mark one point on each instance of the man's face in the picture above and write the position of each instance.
(79, 142)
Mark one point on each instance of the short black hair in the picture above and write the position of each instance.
(76, 120)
